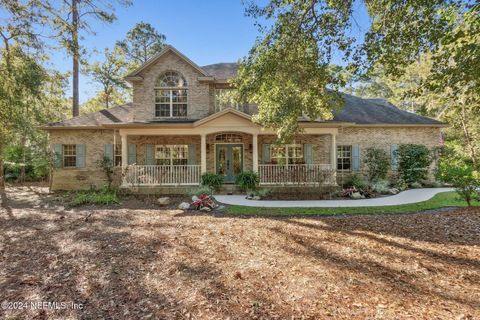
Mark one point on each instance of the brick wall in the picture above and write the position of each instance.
(141, 141)
(90, 175)
(200, 95)
(321, 146)
(94, 140)
(382, 138)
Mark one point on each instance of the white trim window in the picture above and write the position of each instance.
(171, 96)
(344, 158)
(69, 155)
(169, 155)
(287, 154)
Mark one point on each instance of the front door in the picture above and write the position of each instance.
(229, 161)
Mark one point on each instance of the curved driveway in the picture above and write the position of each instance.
(405, 197)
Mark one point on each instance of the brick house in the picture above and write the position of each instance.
(178, 127)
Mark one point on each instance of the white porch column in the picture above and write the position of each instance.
(255, 152)
(124, 152)
(203, 153)
(333, 152)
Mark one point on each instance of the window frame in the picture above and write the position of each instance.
(71, 156)
(173, 155)
(341, 163)
(161, 86)
(117, 155)
(287, 156)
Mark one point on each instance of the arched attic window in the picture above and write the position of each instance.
(171, 95)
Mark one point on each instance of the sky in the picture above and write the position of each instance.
(206, 31)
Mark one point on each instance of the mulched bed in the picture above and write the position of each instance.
(132, 263)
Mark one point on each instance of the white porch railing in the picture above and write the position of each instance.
(152, 175)
(296, 174)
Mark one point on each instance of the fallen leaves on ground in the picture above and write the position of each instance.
(140, 262)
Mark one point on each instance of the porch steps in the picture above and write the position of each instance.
(229, 189)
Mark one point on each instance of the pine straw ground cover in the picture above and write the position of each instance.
(126, 263)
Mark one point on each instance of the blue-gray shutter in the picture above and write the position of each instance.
(192, 154)
(266, 153)
(81, 154)
(308, 153)
(108, 152)
(57, 155)
(355, 157)
(132, 153)
(393, 157)
(149, 158)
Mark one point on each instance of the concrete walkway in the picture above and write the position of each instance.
(405, 197)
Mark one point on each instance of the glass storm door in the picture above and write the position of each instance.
(229, 161)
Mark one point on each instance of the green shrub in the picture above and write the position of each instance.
(103, 196)
(41, 167)
(247, 180)
(377, 163)
(380, 186)
(401, 185)
(106, 165)
(463, 177)
(263, 193)
(37, 162)
(416, 185)
(355, 180)
(212, 180)
(413, 162)
(437, 184)
(199, 191)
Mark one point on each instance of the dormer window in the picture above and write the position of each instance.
(171, 95)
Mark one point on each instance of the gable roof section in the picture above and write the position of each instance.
(112, 115)
(221, 114)
(152, 60)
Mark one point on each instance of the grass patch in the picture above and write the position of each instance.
(444, 199)
(103, 196)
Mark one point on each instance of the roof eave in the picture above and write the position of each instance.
(48, 128)
(409, 125)
(161, 53)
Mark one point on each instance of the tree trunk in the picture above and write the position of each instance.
(23, 164)
(76, 58)
(107, 98)
(468, 139)
(2, 173)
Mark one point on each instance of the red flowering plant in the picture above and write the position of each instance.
(203, 201)
(365, 192)
(349, 191)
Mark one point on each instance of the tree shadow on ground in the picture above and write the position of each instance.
(128, 264)
(117, 264)
(370, 241)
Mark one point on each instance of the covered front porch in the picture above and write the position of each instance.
(174, 155)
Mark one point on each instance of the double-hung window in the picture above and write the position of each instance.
(167, 155)
(287, 154)
(171, 96)
(69, 155)
(344, 158)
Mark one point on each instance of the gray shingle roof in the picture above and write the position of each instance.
(374, 111)
(116, 114)
(356, 110)
(223, 71)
